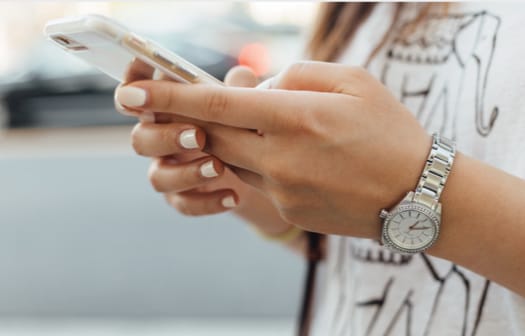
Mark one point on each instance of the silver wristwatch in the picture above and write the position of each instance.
(412, 226)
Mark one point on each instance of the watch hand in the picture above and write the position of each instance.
(421, 228)
(413, 225)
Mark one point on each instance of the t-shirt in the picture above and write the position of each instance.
(461, 73)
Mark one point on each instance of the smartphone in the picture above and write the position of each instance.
(111, 47)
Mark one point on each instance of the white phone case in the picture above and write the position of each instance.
(111, 47)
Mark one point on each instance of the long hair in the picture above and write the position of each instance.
(338, 22)
(336, 26)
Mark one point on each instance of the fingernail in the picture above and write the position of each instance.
(157, 75)
(229, 202)
(267, 84)
(147, 117)
(188, 139)
(122, 110)
(131, 96)
(208, 170)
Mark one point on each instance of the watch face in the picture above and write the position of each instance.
(412, 228)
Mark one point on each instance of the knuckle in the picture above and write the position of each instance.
(354, 74)
(187, 210)
(136, 139)
(310, 123)
(154, 178)
(182, 205)
(363, 77)
(216, 104)
(317, 122)
(357, 72)
(191, 207)
(167, 136)
(292, 74)
(166, 103)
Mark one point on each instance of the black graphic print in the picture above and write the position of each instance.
(413, 289)
(429, 66)
(377, 303)
(436, 70)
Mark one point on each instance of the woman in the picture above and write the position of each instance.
(326, 147)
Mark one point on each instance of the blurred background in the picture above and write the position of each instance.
(86, 246)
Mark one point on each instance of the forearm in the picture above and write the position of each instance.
(483, 222)
(258, 210)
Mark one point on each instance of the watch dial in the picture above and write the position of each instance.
(411, 229)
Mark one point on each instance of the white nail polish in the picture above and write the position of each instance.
(188, 139)
(122, 110)
(229, 202)
(157, 75)
(208, 170)
(147, 117)
(267, 84)
(131, 96)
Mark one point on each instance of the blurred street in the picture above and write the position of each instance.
(86, 245)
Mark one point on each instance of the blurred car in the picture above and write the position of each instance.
(51, 88)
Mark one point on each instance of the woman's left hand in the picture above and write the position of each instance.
(327, 143)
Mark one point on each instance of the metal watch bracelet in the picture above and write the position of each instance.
(435, 172)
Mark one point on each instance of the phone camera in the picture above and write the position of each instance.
(62, 40)
(68, 43)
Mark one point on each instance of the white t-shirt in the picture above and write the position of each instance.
(462, 74)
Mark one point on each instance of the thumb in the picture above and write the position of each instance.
(241, 76)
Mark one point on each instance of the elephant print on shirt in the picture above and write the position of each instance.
(439, 68)
(426, 68)
(403, 295)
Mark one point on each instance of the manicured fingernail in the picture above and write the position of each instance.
(267, 84)
(131, 96)
(124, 110)
(188, 139)
(147, 117)
(157, 74)
(208, 170)
(229, 202)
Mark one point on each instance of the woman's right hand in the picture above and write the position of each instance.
(192, 181)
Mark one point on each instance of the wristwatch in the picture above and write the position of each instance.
(412, 226)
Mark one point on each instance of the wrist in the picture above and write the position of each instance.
(455, 230)
(413, 224)
(482, 227)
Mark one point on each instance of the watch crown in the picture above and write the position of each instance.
(383, 214)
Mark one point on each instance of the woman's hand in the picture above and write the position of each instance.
(327, 143)
(193, 182)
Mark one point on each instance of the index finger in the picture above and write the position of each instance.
(238, 107)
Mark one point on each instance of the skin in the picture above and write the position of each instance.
(175, 170)
(330, 147)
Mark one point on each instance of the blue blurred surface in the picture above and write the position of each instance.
(89, 237)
